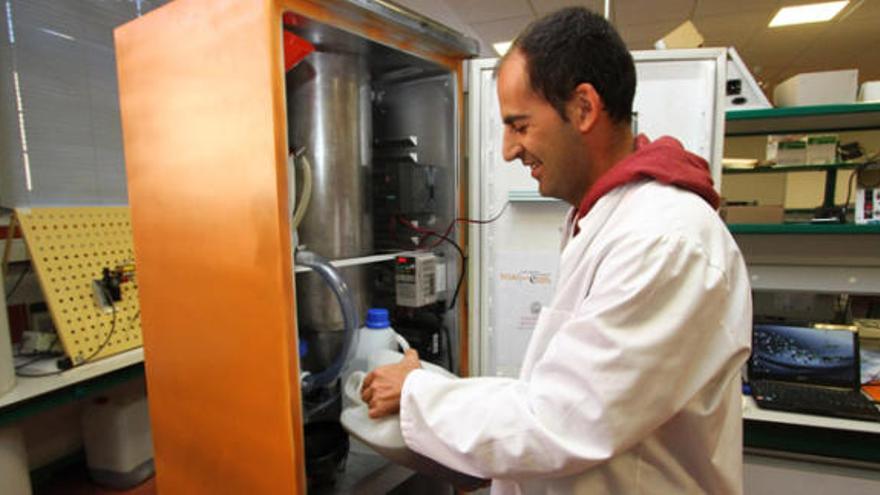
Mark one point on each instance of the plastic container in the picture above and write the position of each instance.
(374, 339)
(118, 440)
(376, 335)
(15, 479)
(7, 368)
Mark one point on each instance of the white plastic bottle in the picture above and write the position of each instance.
(375, 335)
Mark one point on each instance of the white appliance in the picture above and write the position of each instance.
(513, 261)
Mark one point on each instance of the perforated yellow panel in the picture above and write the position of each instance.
(69, 249)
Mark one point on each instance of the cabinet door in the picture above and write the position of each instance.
(513, 261)
(205, 150)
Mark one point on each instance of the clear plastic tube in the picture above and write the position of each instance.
(306, 191)
(351, 322)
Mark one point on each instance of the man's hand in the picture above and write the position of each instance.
(382, 387)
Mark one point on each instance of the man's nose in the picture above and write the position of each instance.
(511, 149)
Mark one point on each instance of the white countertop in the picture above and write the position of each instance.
(30, 387)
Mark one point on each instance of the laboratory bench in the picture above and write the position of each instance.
(35, 394)
(806, 436)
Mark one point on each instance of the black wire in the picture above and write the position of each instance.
(463, 263)
(460, 281)
(109, 334)
(24, 272)
(85, 361)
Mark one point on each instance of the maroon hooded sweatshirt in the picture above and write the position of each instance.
(664, 160)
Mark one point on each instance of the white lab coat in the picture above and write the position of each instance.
(631, 381)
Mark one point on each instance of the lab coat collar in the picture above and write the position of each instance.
(664, 160)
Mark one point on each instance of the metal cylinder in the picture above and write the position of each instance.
(330, 115)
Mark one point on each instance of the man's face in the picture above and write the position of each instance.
(536, 134)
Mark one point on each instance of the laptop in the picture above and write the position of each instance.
(808, 370)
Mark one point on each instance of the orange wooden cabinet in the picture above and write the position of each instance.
(202, 98)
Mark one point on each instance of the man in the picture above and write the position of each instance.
(630, 383)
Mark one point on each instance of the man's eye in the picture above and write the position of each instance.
(519, 129)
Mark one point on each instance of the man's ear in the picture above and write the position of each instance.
(584, 107)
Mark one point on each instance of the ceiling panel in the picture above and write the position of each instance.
(720, 30)
(641, 11)
(853, 39)
(472, 11)
(501, 30)
(728, 7)
(643, 36)
(779, 46)
(844, 42)
(547, 6)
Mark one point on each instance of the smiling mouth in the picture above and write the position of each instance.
(535, 167)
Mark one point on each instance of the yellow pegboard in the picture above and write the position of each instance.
(69, 248)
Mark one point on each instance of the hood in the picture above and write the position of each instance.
(664, 160)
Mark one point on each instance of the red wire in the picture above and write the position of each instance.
(468, 220)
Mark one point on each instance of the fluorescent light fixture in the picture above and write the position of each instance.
(804, 14)
(501, 47)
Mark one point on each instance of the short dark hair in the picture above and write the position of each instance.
(573, 46)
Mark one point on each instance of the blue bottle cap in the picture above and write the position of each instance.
(377, 318)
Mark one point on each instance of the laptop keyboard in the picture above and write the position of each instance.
(814, 400)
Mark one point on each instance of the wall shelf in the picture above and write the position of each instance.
(803, 228)
(363, 260)
(528, 196)
(783, 169)
(816, 118)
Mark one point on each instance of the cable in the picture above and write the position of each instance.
(472, 221)
(64, 367)
(24, 272)
(109, 334)
(446, 238)
(306, 190)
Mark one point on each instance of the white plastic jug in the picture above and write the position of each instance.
(384, 436)
(376, 335)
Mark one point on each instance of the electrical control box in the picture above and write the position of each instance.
(415, 279)
(403, 191)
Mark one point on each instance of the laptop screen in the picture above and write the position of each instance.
(804, 355)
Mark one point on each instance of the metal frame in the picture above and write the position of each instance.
(719, 56)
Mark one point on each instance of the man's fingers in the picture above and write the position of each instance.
(411, 354)
(367, 394)
(380, 409)
(369, 379)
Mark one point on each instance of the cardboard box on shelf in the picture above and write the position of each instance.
(753, 214)
(684, 36)
(822, 149)
(787, 149)
(817, 88)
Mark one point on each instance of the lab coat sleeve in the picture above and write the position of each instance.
(648, 336)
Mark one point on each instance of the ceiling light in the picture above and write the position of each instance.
(502, 47)
(804, 14)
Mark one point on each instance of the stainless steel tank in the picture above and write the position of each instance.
(330, 115)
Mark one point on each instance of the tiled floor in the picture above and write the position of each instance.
(74, 480)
